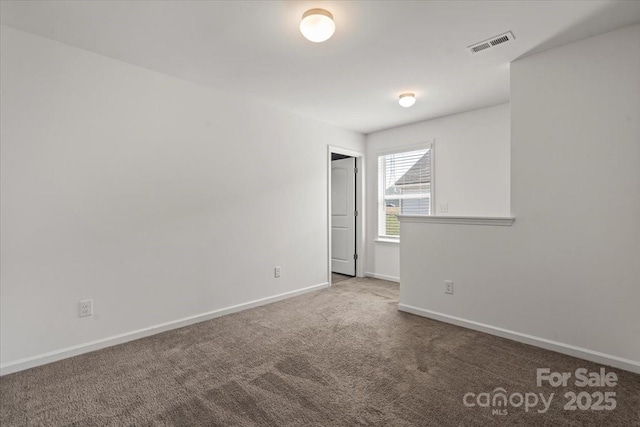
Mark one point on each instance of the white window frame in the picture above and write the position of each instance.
(379, 211)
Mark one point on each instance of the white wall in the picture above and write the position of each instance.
(471, 171)
(157, 198)
(567, 271)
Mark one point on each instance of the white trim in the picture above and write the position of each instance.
(387, 240)
(571, 350)
(432, 184)
(360, 207)
(382, 277)
(53, 356)
(467, 220)
(345, 151)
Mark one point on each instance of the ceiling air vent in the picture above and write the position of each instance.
(494, 41)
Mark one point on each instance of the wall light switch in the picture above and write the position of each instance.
(443, 208)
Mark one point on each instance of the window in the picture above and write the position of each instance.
(404, 187)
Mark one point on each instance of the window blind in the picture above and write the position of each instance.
(404, 187)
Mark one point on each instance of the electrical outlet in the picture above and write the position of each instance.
(448, 287)
(86, 308)
(276, 272)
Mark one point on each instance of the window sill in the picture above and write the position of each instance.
(387, 241)
(467, 220)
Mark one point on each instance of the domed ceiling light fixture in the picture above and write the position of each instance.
(317, 25)
(407, 99)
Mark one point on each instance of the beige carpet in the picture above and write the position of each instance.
(338, 357)
(337, 277)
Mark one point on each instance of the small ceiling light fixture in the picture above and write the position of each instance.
(407, 99)
(317, 25)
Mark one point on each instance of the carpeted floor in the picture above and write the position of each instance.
(337, 277)
(343, 356)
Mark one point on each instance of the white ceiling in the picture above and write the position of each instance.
(380, 48)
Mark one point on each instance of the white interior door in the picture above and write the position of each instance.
(343, 216)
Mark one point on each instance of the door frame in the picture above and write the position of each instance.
(360, 204)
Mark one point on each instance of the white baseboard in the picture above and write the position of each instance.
(53, 356)
(382, 277)
(582, 353)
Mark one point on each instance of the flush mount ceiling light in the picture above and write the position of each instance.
(407, 99)
(317, 25)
